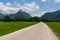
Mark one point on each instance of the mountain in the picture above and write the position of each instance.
(1, 15)
(20, 14)
(52, 16)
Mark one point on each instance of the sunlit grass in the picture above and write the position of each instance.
(8, 27)
(55, 26)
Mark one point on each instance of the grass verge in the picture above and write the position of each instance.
(55, 26)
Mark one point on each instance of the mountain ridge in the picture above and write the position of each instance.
(19, 14)
(52, 16)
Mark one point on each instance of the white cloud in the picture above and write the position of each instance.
(30, 7)
(51, 0)
(8, 4)
(40, 14)
(8, 9)
(1, 3)
(57, 0)
(18, 5)
(43, 0)
(43, 12)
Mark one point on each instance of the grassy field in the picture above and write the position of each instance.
(55, 26)
(8, 27)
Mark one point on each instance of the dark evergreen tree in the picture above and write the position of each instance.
(35, 19)
(7, 18)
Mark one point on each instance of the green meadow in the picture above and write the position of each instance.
(9, 27)
(55, 26)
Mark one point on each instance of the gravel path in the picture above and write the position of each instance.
(39, 31)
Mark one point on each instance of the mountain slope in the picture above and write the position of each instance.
(20, 14)
(1, 15)
(52, 16)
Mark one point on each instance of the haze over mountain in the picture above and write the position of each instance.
(52, 16)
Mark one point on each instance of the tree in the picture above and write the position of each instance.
(7, 18)
(35, 19)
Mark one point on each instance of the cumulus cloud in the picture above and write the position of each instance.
(30, 7)
(1, 3)
(8, 4)
(8, 9)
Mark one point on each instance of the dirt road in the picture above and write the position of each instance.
(39, 31)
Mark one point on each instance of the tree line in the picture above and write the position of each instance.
(7, 18)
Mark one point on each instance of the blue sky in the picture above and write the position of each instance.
(34, 7)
